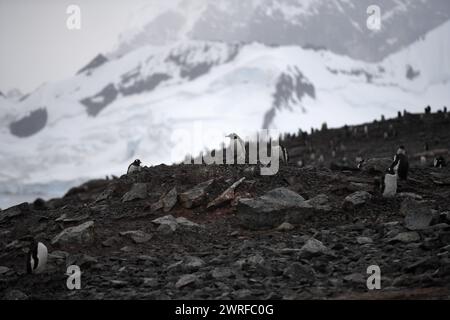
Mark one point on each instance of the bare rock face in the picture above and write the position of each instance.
(196, 196)
(138, 191)
(418, 215)
(81, 234)
(14, 211)
(170, 200)
(272, 209)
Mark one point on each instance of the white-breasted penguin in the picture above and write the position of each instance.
(36, 258)
(285, 153)
(135, 166)
(238, 145)
(401, 163)
(439, 162)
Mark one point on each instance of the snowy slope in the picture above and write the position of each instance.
(158, 103)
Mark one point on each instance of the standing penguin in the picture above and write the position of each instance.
(36, 258)
(284, 153)
(439, 162)
(135, 166)
(401, 163)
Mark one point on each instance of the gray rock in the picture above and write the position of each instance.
(196, 196)
(170, 200)
(298, 271)
(376, 165)
(313, 247)
(285, 226)
(243, 294)
(111, 241)
(182, 221)
(193, 263)
(166, 223)
(406, 237)
(166, 229)
(355, 278)
(150, 282)
(320, 202)
(137, 236)
(58, 255)
(409, 195)
(226, 196)
(138, 191)
(81, 234)
(186, 280)
(356, 200)
(81, 260)
(364, 240)
(15, 295)
(255, 259)
(275, 207)
(221, 272)
(418, 215)
(4, 270)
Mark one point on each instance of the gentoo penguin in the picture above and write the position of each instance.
(135, 166)
(439, 162)
(359, 162)
(389, 184)
(285, 154)
(36, 258)
(240, 147)
(401, 163)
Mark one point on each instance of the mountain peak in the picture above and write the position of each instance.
(94, 63)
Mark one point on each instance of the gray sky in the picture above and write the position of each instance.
(37, 47)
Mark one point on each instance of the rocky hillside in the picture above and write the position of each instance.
(211, 231)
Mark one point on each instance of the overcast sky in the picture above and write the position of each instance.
(36, 46)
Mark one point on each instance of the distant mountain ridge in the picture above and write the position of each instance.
(338, 26)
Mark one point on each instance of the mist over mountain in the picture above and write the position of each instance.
(338, 26)
(185, 73)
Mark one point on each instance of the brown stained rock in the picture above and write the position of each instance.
(227, 196)
(195, 196)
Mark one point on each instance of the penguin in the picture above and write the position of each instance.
(36, 258)
(239, 148)
(366, 131)
(135, 166)
(389, 184)
(439, 162)
(359, 162)
(284, 154)
(423, 161)
(401, 163)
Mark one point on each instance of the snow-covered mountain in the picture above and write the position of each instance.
(160, 102)
(336, 25)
